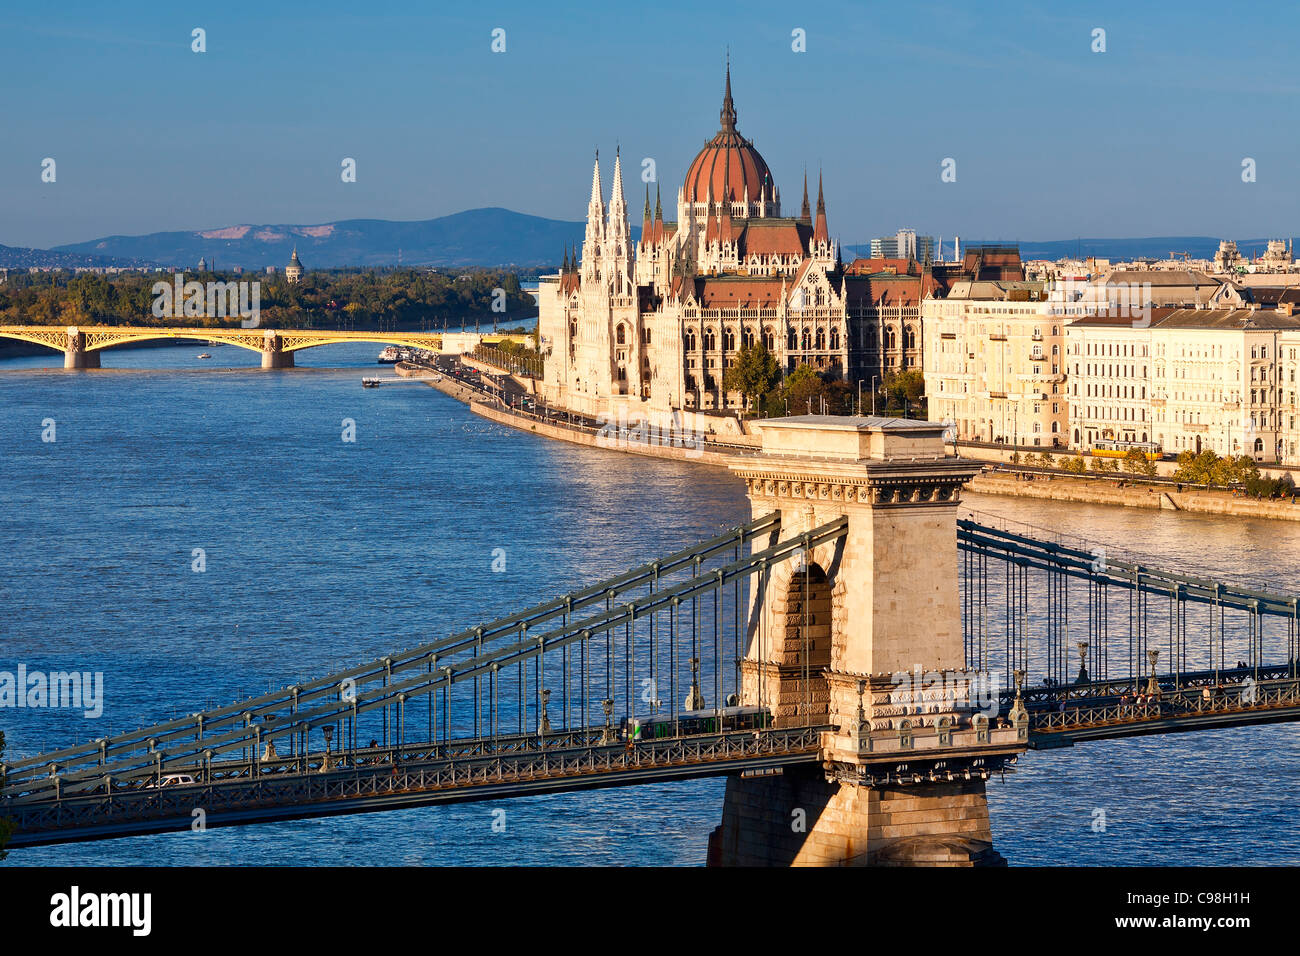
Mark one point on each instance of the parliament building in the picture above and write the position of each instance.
(637, 328)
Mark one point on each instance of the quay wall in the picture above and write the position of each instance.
(1088, 491)
(1055, 488)
(609, 442)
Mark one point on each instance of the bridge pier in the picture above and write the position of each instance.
(274, 354)
(277, 359)
(75, 353)
(80, 358)
(862, 637)
(799, 818)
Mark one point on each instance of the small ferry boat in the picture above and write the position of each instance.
(204, 355)
(389, 356)
(370, 383)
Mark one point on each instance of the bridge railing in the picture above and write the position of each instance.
(415, 782)
(1168, 704)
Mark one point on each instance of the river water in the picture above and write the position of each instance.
(319, 552)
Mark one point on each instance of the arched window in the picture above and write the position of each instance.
(621, 333)
(909, 338)
(804, 342)
(835, 340)
(729, 340)
(710, 340)
(690, 342)
(821, 339)
(891, 339)
(769, 340)
(792, 340)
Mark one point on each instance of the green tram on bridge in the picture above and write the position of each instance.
(693, 722)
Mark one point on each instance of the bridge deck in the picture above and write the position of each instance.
(419, 775)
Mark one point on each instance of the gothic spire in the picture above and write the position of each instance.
(820, 233)
(595, 181)
(617, 193)
(805, 214)
(728, 107)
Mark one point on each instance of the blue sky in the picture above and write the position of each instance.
(1051, 140)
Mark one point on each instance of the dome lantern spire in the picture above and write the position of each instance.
(728, 114)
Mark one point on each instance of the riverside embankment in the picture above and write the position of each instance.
(1133, 494)
(1098, 491)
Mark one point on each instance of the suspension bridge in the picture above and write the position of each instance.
(856, 650)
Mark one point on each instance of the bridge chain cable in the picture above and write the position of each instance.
(156, 760)
(297, 693)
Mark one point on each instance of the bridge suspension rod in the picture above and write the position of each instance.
(155, 760)
(277, 700)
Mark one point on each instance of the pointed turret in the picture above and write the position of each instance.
(595, 180)
(805, 214)
(616, 196)
(728, 114)
(659, 217)
(647, 222)
(591, 243)
(820, 233)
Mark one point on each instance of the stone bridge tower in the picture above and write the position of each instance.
(862, 636)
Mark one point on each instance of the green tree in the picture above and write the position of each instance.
(802, 387)
(1137, 463)
(1076, 465)
(905, 390)
(753, 373)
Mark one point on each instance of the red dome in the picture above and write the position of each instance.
(728, 165)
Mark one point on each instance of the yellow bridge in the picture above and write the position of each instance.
(81, 345)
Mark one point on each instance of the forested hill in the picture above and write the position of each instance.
(396, 298)
(476, 237)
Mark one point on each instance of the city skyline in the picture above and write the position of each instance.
(1050, 139)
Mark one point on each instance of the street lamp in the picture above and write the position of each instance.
(607, 705)
(1152, 687)
(328, 730)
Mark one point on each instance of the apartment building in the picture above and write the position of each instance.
(1222, 380)
(994, 363)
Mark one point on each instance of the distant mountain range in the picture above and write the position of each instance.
(475, 237)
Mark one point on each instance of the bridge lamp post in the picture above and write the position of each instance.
(1152, 687)
(1083, 662)
(607, 706)
(328, 731)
